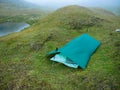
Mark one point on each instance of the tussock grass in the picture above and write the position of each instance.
(24, 65)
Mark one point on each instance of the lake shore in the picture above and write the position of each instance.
(11, 27)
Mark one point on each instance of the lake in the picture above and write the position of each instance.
(10, 27)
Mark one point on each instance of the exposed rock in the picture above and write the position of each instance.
(117, 30)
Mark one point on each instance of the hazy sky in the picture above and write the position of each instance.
(92, 3)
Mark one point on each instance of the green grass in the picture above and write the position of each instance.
(24, 65)
(28, 15)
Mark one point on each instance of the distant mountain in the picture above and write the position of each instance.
(102, 11)
(115, 10)
(17, 4)
(20, 10)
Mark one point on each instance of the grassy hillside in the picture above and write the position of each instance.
(20, 11)
(21, 15)
(23, 61)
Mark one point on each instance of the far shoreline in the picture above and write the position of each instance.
(11, 27)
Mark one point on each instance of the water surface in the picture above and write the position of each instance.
(10, 27)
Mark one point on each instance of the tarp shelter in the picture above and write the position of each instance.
(76, 52)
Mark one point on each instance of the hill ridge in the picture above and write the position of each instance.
(24, 64)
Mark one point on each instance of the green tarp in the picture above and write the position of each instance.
(77, 50)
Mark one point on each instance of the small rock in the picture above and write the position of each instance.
(117, 30)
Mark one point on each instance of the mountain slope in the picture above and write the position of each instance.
(17, 4)
(76, 19)
(20, 11)
(23, 61)
(102, 11)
